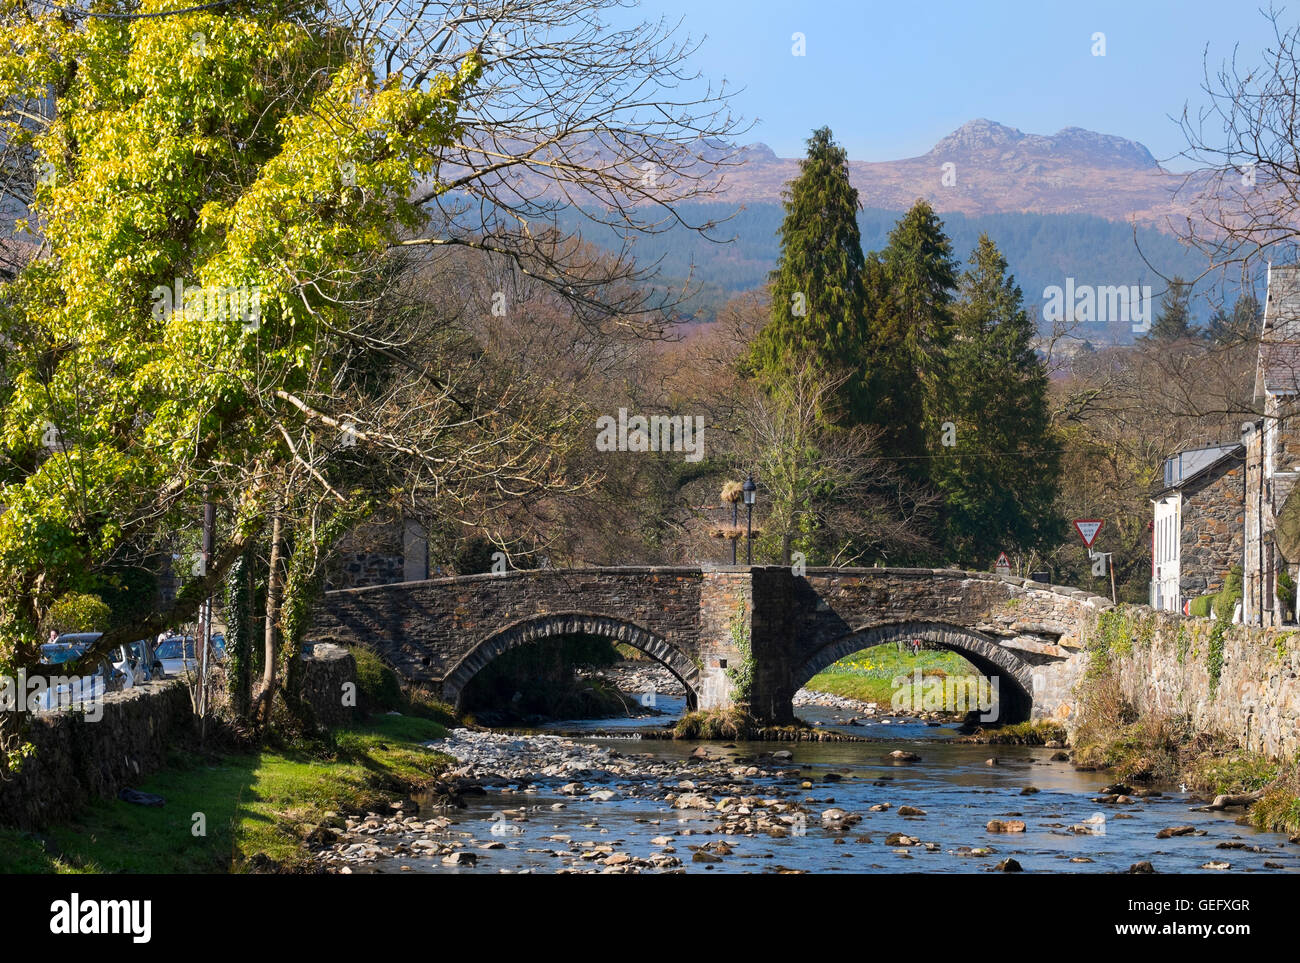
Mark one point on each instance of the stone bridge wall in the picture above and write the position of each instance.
(427, 630)
(706, 624)
(1023, 632)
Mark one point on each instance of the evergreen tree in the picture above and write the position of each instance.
(817, 288)
(1247, 316)
(996, 464)
(1219, 330)
(1174, 322)
(922, 275)
(911, 325)
(892, 398)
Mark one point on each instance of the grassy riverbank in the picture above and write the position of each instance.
(260, 810)
(868, 675)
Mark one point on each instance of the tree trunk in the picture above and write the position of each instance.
(274, 589)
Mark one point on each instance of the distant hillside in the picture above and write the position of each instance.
(1042, 250)
(997, 169)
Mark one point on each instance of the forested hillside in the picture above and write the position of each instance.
(1042, 249)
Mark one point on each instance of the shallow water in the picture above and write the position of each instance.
(952, 783)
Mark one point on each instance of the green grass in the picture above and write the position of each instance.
(1037, 733)
(868, 675)
(258, 806)
(1232, 772)
(716, 724)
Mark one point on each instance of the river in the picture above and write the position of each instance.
(576, 803)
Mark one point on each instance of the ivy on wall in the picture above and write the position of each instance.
(741, 674)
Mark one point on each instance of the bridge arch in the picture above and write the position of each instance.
(1015, 680)
(552, 625)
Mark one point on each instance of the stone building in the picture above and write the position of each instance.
(1197, 529)
(381, 552)
(1272, 544)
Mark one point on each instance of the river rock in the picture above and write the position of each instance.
(910, 811)
(1170, 831)
(902, 755)
(1005, 826)
(1008, 865)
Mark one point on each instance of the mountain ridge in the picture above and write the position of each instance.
(986, 167)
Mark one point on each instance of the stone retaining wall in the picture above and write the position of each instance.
(325, 674)
(77, 760)
(1163, 665)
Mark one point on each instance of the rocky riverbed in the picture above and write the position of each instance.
(542, 803)
(719, 793)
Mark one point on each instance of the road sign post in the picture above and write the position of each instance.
(1088, 529)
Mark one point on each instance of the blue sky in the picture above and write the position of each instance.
(892, 78)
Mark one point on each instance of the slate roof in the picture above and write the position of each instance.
(1232, 453)
(1278, 369)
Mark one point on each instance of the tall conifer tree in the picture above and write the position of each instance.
(817, 288)
(1174, 322)
(911, 324)
(997, 466)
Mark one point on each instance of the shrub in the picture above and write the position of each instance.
(731, 723)
(378, 688)
(77, 613)
(1285, 593)
(1201, 606)
(1226, 601)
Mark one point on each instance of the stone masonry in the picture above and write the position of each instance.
(700, 622)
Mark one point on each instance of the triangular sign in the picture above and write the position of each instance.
(1003, 561)
(1088, 529)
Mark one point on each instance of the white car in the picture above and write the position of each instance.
(136, 662)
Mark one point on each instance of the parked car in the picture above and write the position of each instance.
(177, 654)
(84, 686)
(137, 662)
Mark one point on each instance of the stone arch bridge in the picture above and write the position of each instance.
(704, 624)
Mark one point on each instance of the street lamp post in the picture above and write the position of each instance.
(750, 489)
(735, 513)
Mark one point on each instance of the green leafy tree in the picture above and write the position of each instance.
(170, 165)
(76, 612)
(818, 297)
(995, 459)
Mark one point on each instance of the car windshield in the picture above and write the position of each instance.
(171, 649)
(56, 653)
(77, 638)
